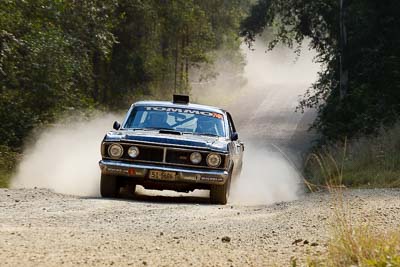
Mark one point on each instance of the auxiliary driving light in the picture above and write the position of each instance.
(133, 151)
(132, 172)
(115, 151)
(213, 160)
(195, 157)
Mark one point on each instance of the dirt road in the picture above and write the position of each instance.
(41, 228)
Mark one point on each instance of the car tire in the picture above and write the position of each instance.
(109, 186)
(219, 193)
(131, 188)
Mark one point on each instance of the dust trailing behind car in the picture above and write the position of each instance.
(267, 177)
(64, 157)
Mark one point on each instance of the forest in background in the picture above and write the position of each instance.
(59, 57)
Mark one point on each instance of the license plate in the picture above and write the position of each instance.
(161, 175)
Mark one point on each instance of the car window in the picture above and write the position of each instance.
(189, 121)
(232, 128)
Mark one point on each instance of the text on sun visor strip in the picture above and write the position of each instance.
(186, 111)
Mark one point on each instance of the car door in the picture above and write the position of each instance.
(237, 146)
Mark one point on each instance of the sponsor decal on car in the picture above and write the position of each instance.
(117, 170)
(212, 179)
(187, 111)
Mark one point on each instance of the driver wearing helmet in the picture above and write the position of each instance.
(205, 125)
(157, 119)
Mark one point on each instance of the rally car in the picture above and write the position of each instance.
(172, 146)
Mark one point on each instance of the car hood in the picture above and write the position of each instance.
(219, 144)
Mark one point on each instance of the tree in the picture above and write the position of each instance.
(61, 55)
(46, 51)
(372, 58)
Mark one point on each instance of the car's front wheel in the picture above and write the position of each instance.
(219, 193)
(109, 186)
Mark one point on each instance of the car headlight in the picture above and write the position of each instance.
(213, 160)
(133, 151)
(115, 151)
(195, 157)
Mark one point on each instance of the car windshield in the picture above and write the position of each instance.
(182, 120)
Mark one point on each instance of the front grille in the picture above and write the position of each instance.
(183, 157)
(146, 153)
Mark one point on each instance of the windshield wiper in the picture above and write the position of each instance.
(205, 134)
(152, 129)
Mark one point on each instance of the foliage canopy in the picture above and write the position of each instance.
(61, 55)
(372, 58)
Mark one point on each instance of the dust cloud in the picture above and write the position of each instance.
(280, 66)
(267, 177)
(264, 110)
(65, 158)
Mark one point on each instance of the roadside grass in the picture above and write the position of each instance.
(354, 244)
(8, 161)
(361, 246)
(370, 162)
(365, 163)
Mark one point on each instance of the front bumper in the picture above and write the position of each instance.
(183, 174)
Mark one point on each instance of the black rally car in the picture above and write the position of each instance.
(172, 146)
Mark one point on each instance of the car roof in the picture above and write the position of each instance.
(173, 105)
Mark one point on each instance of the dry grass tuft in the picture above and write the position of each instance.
(339, 167)
(365, 162)
(361, 246)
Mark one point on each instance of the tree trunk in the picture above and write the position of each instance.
(344, 73)
(187, 61)
(96, 75)
(176, 65)
(182, 83)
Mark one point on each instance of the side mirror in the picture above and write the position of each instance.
(235, 136)
(116, 125)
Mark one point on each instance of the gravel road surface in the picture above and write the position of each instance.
(42, 228)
